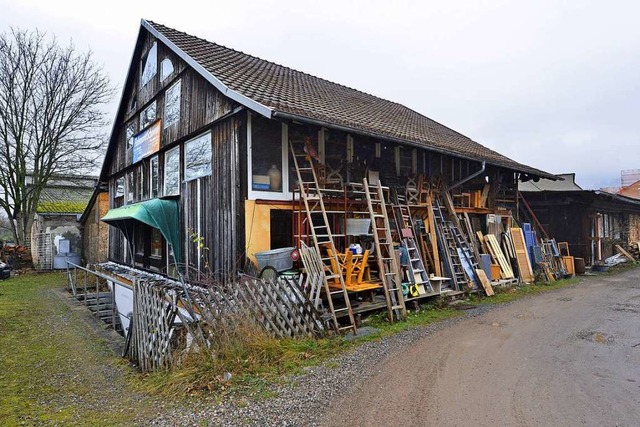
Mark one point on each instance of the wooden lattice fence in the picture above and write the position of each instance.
(279, 306)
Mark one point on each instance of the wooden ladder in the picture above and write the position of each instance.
(449, 247)
(388, 267)
(404, 224)
(312, 196)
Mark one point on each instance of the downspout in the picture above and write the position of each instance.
(470, 177)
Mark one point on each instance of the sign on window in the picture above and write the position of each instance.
(147, 142)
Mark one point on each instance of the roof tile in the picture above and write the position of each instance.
(293, 92)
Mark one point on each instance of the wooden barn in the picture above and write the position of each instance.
(202, 171)
(591, 222)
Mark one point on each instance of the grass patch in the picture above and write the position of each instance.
(53, 370)
(255, 360)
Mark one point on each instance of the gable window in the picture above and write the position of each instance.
(166, 69)
(148, 115)
(172, 105)
(172, 172)
(150, 65)
(153, 173)
(197, 157)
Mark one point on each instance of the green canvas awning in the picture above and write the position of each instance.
(157, 213)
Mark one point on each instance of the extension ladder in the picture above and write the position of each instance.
(385, 254)
(312, 196)
(404, 224)
(448, 244)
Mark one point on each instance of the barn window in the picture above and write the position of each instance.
(197, 157)
(148, 115)
(150, 65)
(119, 187)
(172, 105)
(172, 172)
(140, 182)
(166, 69)
(153, 173)
(405, 161)
(266, 154)
(130, 186)
(131, 131)
(156, 243)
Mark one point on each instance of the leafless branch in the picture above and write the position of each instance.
(51, 119)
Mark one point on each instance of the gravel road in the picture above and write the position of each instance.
(569, 358)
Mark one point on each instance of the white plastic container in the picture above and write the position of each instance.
(358, 226)
(280, 259)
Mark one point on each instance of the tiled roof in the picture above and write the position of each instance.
(64, 200)
(566, 183)
(284, 90)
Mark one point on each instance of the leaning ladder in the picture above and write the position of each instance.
(449, 247)
(321, 234)
(385, 254)
(404, 223)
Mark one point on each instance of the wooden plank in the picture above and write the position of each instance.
(522, 256)
(434, 239)
(484, 280)
(621, 250)
(484, 195)
(498, 256)
(485, 249)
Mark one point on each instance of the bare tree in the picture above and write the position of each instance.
(52, 119)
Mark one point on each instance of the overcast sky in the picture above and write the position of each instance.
(552, 84)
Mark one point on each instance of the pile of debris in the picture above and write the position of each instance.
(16, 256)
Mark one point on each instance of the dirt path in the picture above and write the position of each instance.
(562, 358)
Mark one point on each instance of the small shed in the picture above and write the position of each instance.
(56, 227)
(592, 222)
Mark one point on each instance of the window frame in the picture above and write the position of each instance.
(143, 115)
(188, 178)
(165, 117)
(144, 62)
(130, 188)
(165, 60)
(167, 155)
(285, 193)
(154, 160)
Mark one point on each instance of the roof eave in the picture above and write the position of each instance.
(322, 123)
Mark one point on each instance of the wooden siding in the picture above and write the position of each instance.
(209, 205)
(212, 206)
(200, 103)
(95, 234)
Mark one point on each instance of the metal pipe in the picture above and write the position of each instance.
(470, 177)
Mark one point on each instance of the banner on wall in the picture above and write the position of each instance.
(147, 142)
